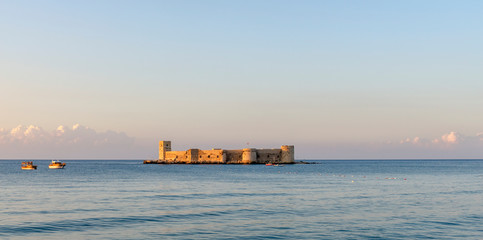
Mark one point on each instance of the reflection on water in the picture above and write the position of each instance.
(334, 199)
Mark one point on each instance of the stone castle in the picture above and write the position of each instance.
(285, 155)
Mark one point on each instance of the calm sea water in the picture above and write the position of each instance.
(392, 199)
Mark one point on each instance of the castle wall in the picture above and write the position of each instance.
(249, 156)
(176, 157)
(212, 156)
(269, 155)
(194, 156)
(285, 154)
(234, 156)
(288, 154)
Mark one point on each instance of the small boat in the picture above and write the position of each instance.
(150, 162)
(268, 164)
(28, 166)
(55, 164)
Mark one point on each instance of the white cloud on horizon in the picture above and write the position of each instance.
(452, 145)
(449, 145)
(65, 142)
(449, 139)
(81, 142)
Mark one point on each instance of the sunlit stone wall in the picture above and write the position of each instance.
(285, 154)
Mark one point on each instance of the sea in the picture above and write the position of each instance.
(328, 199)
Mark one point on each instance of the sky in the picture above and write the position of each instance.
(337, 79)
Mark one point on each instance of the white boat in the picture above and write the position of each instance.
(55, 164)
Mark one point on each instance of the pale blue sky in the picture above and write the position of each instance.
(338, 79)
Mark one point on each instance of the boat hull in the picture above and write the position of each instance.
(57, 166)
(29, 168)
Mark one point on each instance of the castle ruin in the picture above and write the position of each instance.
(284, 155)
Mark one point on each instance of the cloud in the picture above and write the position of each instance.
(452, 138)
(82, 142)
(64, 142)
(449, 145)
(452, 145)
(446, 140)
(416, 140)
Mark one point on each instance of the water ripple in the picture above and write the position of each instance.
(118, 201)
(106, 222)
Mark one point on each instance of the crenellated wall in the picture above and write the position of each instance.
(234, 156)
(285, 154)
(212, 156)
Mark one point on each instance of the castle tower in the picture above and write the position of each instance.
(164, 146)
(249, 155)
(193, 155)
(288, 155)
